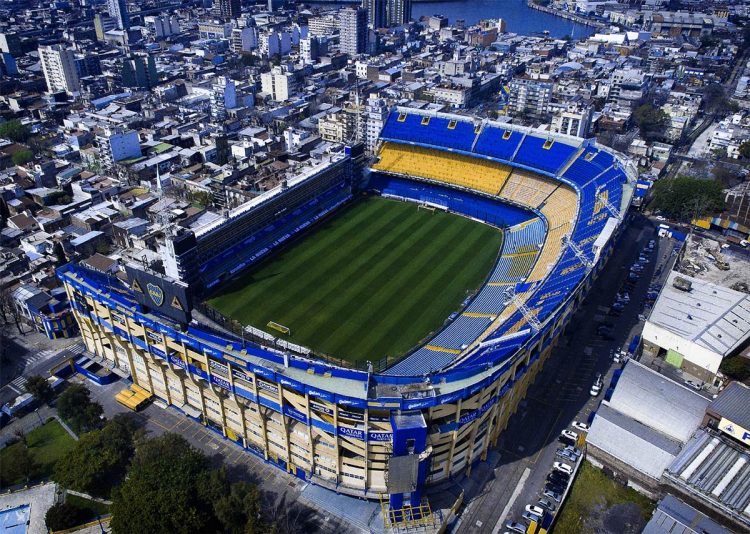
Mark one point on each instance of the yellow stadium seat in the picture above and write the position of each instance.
(464, 171)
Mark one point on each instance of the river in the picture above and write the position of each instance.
(518, 16)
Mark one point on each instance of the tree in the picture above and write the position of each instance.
(239, 510)
(15, 131)
(652, 121)
(64, 515)
(18, 464)
(76, 407)
(736, 367)
(59, 252)
(22, 156)
(162, 492)
(745, 150)
(40, 388)
(685, 198)
(714, 98)
(99, 459)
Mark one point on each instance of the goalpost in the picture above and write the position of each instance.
(426, 207)
(280, 327)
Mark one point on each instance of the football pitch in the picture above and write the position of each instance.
(373, 280)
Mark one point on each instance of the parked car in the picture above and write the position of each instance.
(563, 468)
(595, 390)
(557, 476)
(552, 495)
(547, 505)
(566, 455)
(555, 487)
(569, 434)
(583, 427)
(528, 516)
(536, 510)
(695, 385)
(515, 526)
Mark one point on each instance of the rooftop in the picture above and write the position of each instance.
(733, 403)
(714, 317)
(658, 402)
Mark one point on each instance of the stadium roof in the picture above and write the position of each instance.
(633, 443)
(714, 317)
(733, 403)
(658, 402)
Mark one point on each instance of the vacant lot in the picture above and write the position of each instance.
(372, 281)
(598, 504)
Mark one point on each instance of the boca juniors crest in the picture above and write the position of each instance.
(156, 293)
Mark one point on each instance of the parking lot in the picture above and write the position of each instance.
(561, 392)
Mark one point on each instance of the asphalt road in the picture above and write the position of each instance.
(560, 393)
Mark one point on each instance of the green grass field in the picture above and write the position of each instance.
(47, 444)
(372, 281)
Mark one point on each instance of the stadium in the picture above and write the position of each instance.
(503, 227)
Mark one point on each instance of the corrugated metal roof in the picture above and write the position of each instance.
(717, 469)
(675, 517)
(631, 442)
(658, 402)
(714, 317)
(734, 404)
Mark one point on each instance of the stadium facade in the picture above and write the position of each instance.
(560, 202)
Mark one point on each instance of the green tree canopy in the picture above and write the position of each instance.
(18, 464)
(162, 492)
(651, 120)
(15, 131)
(736, 367)
(171, 487)
(745, 150)
(40, 388)
(76, 407)
(684, 198)
(22, 156)
(64, 515)
(99, 459)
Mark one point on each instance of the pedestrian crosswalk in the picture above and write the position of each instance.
(18, 384)
(38, 356)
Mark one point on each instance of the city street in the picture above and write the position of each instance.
(560, 393)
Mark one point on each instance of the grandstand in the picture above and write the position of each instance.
(560, 202)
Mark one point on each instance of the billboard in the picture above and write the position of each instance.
(734, 430)
(157, 292)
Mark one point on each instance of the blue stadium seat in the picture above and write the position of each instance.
(496, 143)
(429, 131)
(533, 153)
(582, 170)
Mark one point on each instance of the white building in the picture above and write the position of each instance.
(279, 84)
(695, 324)
(275, 43)
(572, 120)
(244, 39)
(162, 26)
(223, 97)
(117, 145)
(376, 113)
(58, 65)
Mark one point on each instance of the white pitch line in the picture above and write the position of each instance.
(512, 501)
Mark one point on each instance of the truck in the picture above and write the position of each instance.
(633, 347)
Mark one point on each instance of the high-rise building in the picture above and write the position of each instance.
(139, 72)
(59, 67)
(529, 98)
(118, 10)
(162, 26)
(376, 13)
(223, 97)
(274, 5)
(227, 9)
(10, 44)
(117, 144)
(353, 30)
(376, 113)
(398, 12)
(280, 84)
(103, 24)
